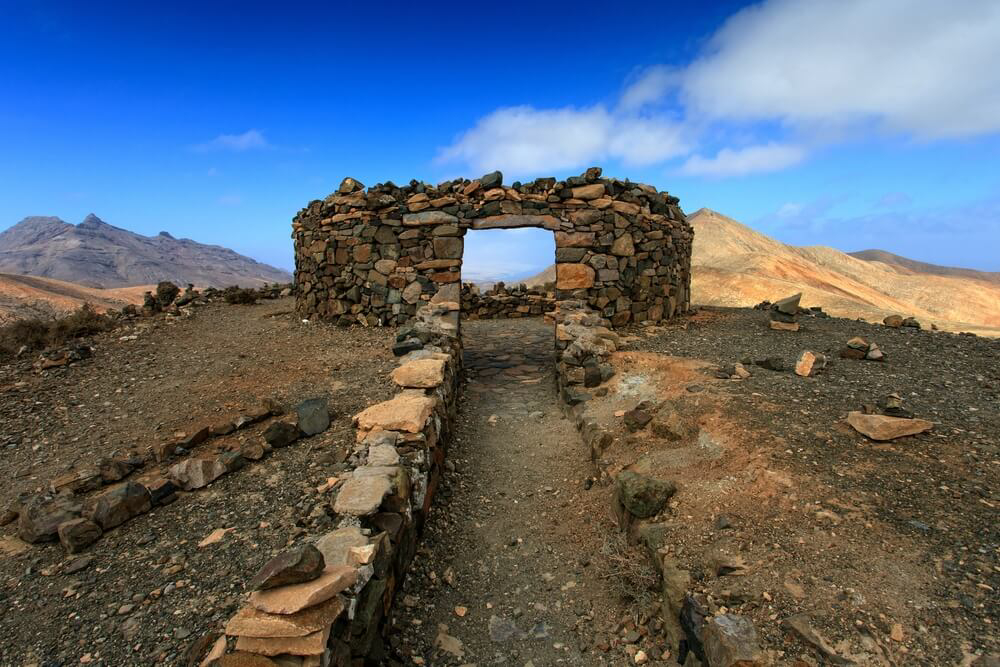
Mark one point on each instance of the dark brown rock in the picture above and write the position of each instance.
(77, 534)
(293, 566)
(118, 504)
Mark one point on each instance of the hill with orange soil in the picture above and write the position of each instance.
(733, 265)
(30, 296)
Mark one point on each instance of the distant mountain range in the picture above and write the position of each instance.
(733, 265)
(96, 254)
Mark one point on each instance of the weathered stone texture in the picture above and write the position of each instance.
(373, 256)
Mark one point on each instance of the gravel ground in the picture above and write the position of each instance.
(511, 565)
(145, 591)
(861, 536)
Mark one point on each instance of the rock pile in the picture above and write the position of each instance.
(78, 522)
(859, 348)
(325, 602)
(373, 256)
(502, 301)
(784, 313)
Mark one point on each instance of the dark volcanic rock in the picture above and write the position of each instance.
(314, 416)
(77, 534)
(281, 434)
(118, 504)
(643, 496)
(289, 567)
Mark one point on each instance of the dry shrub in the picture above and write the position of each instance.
(628, 569)
(36, 334)
(240, 295)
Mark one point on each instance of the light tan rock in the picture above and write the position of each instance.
(423, 374)
(383, 455)
(407, 411)
(587, 192)
(883, 427)
(784, 326)
(574, 239)
(336, 545)
(362, 496)
(809, 363)
(623, 246)
(574, 276)
(217, 651)
(294, 598)
(244, 659)
(311, 644)
(251, 622)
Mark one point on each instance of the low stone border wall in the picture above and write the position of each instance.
(332, 594)
(505, 302)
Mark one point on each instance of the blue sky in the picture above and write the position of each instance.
(848, 123)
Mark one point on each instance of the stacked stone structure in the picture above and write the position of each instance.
(502, 301)
(373, 256)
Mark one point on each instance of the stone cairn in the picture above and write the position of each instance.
(784, 313)
(373, 256)
(506, 302)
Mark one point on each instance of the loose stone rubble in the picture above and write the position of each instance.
(506, 302)
(374, 256)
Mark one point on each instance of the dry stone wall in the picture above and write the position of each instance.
(502, 301)
(373, 256)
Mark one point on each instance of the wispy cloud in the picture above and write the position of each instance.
(230, 200)
(737, 162)
(249, 140)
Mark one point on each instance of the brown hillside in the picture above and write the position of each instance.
(734, 265)
(29, 296)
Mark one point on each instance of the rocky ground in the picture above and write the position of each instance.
(889, 549)
(512, 569)
(841, 550)
(146, 591)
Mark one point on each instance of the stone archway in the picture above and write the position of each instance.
(372, 257)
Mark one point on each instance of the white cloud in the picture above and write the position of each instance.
(249, 140)
(921, 67)
(741, 161)
(650, 87)
(524, 140)
(785, 76)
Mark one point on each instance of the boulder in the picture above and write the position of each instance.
(911, 322)
(642, 495)
(281, 434)
(362, 496)
(883, 427)
(293, 566)
(421, 373)
(789, 305)
(118, 504)
(408, 411)
(809, 363)
(77, 534)
(314, 416)
(894, 321)
(730, 640)
(637, 418)
(196, 472)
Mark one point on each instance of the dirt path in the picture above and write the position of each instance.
(509, 562)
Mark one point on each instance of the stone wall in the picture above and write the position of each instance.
(337, 618)
(373, 256)
(502, 301)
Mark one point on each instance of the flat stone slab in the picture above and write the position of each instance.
(407, 411)
(882, 427)
(311, 644)
(513, 221)
(420, 374)
(336, 545)
(295, 598)
(251, 622)
(362, 496)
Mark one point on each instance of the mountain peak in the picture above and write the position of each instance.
(92, 221)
